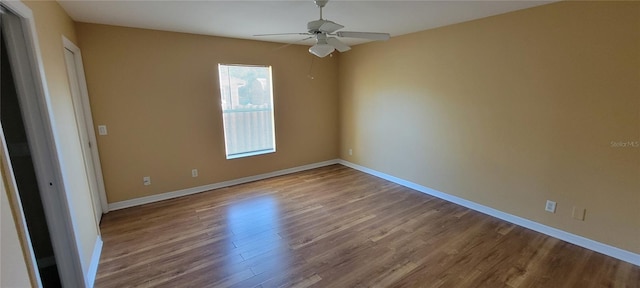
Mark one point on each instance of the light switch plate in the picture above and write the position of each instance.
(102, 129)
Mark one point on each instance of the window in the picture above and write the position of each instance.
(247, 110)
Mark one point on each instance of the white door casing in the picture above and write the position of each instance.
(84, 120)
(28, 70)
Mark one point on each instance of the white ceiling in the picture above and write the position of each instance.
(242, 19)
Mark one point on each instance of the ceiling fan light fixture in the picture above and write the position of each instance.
(321, 49)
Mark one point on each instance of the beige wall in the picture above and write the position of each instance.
(51, 24)
(157, 93)
(13, 264)
(509, 111)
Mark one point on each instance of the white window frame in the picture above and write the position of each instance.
(228, 94)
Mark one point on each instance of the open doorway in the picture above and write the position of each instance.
(24, 172)
(34, 137)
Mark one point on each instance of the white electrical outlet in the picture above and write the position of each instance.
(146, 180)
(350, 151)
(194, 173)
(550, 207)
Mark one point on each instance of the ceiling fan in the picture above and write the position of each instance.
(324, 31)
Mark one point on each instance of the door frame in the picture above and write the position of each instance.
(18, 213)
(82, 107)
(37, 113)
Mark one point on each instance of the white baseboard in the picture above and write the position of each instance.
(199, 189)
(614, 252)
(95, 260)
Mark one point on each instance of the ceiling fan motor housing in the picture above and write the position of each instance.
(323, 26)
(314, 26)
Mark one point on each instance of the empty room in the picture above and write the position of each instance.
(320, 143)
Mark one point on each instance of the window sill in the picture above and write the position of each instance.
(249, 154)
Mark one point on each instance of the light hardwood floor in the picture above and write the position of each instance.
(336, 227)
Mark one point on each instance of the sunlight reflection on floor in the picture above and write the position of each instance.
(255, 226)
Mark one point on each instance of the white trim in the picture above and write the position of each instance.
(614, 252)
(199, 189)
(39, 123)
(18, 8)
(84, 93)
(95, 260)
(84, 108)
(15, 202)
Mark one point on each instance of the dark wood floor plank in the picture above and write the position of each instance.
(336, 227)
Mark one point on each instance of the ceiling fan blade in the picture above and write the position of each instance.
(292, 43)
(280, 34)
(330, 27)
(364, 35)
(339, 45)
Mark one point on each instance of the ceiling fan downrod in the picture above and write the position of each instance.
(320, 4)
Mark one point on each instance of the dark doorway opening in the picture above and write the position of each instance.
(24, 172)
